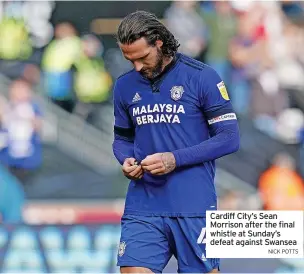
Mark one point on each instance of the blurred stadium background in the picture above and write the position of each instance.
(61, 190)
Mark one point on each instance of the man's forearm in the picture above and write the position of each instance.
(123, 149)
(225, 141)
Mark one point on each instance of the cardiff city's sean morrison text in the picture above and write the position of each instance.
(243, 216)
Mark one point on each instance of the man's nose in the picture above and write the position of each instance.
(138, 66)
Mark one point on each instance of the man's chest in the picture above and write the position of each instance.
(168, 104)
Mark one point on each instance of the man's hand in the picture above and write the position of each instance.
(159, 163)
(132, 170)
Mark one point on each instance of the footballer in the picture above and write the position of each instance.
(173, 118)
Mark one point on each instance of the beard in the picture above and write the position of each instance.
(151, 73)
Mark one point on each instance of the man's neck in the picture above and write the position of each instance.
(166, 64)
(167, 61)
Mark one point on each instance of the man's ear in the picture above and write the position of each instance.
(159, 43)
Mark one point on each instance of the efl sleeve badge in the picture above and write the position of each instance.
(222, 88)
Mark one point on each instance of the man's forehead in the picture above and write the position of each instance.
(135, 50)
(19, 84)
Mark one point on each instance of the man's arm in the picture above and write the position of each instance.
(225, 140)
(223, 127)
(123, 145)
(124, 132)
(122, 148)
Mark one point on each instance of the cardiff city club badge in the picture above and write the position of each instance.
(177, 92)
(121, 248)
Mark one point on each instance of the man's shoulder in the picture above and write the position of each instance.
(127, 76)
(192, 64)
(124, 82)
(197, 69)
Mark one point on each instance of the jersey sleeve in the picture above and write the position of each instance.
(123, 145)
(214, 99)
(223, 127)
(123, 125)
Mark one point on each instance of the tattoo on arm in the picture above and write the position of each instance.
(168, 160)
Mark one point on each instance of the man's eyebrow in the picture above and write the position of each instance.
(138, 58)
(145, 55)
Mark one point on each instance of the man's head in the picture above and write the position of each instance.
(20, 91)
(92, 47)
(146, 42)
(64, 30)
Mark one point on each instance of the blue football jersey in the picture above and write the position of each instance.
(173, 112)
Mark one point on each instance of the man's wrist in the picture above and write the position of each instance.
(169, 161)
(177, 158)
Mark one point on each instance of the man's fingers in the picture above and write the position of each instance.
(146, 162)
(159, 171)
(137, 174)
(140, 174)
(128, 169)
(136, 171)
(150, 161)
(152, 167)
(130, 161)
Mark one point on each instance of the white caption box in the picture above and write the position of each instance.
(254, 234)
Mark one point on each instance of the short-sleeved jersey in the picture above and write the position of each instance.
(166, 115)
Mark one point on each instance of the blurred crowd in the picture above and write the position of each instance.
(69, 71)
(73, 70)
(256, 47)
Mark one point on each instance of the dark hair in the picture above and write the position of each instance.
(145, 24)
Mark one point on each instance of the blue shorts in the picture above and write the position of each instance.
(150, 242)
